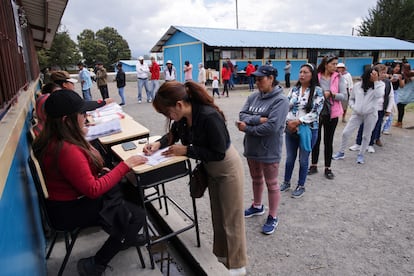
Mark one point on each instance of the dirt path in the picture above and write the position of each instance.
(360, 223)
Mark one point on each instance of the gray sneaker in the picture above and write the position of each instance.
(298, 192)
(285, 186)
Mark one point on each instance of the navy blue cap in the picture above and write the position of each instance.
(265, 71)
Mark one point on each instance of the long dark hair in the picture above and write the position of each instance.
(64, 129)
(366, 79)
(313, 83)
(171, 92)
(325, 60)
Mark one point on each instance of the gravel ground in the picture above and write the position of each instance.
(360, 223)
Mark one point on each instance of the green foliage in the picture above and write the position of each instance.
(106, 45)
(390, 18)
(63, 52)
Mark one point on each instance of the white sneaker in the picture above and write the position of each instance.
(371, 149)
(355, 147)
(386, 132)
(238, 271)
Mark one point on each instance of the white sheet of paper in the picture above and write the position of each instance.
(156, 157)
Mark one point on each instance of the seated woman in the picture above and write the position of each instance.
(81, 192)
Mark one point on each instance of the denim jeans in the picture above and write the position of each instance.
(251, 82)
(141, 83)
(292, 147)
(87, 94)
(121, 94)
(155, 85)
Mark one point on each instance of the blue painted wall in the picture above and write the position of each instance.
(178, 52)
(22, 243)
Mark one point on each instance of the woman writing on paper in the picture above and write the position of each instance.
(81, 192)
(200, 125)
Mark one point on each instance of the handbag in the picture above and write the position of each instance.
(305, 136)
(198, 181)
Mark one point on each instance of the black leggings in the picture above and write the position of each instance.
(329, 126)
(401, 111)
(84, 212)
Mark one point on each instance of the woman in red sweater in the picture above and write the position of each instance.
(225, 76)
(82, 193)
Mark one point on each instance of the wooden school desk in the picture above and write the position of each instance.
(147, 176)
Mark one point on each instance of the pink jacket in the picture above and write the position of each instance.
(336, 106)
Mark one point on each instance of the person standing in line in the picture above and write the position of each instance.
(202, 78)
(231, 68)
(215, 86)
(102, 80)
(170, 73)
(249, 70)
(142, 77)
(82, 193)
(364, 105)
(334, 88)
(407, 76)
(200, 125)
(188, 71)
(263, 120)
(385, 106)
(155, 77)
(120, 82)
(305, 104)
(349, 85)
(287, 69)
(225, 76)
(397, 81)
(86, 81)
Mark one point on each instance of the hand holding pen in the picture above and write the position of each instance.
(150, 148)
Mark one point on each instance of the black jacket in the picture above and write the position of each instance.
(207, 139)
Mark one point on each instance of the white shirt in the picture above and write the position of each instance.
(142, 70)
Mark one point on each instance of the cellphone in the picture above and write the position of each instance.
(129, 146)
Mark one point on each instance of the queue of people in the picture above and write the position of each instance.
(80, 187)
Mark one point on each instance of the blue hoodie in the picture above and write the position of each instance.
(263, 142)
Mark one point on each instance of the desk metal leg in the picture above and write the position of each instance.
(165, 198)
(146, 226)
(196, 222)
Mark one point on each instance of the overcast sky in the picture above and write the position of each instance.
(143, 22)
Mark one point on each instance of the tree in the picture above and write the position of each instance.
(391, 18)
(63, 52)
(92, 49)
(107, 45)
(118, 47)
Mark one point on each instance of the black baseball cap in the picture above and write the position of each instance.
(265, 71)
(65, 102)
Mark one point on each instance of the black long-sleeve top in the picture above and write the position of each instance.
(207, 139)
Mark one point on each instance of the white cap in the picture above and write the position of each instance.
(341, 65)
(169, 61)
(140, 58)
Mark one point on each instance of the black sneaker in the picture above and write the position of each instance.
(312, 170)
(329, 174)
(87, 267)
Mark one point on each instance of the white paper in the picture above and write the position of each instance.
(103, 129)
(156, 157)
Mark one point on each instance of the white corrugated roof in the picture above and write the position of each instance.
(265, 39)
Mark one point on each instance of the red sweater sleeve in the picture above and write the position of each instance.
(76, 176)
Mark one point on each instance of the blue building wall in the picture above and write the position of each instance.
(181, 47)
(22, 243)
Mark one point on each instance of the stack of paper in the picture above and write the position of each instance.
(103, 129)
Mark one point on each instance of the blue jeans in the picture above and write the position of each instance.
(121, 94)
(87, 94)
(292, 146)
(376, 133)
(251, 82)
(155, 85)
(141, 83)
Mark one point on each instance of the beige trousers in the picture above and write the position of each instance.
(225, 186)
